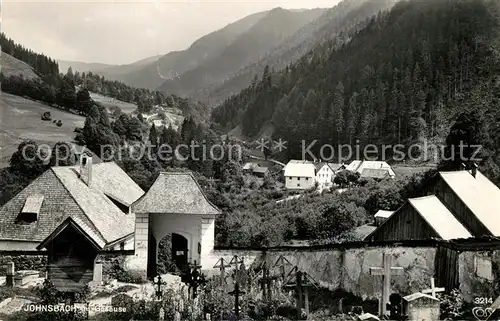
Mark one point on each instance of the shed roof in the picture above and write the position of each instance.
(97, 241)
(384, 214)
(175, 193)
(359, 166)
(375, 173)
(439, 218)
(479, 194)
(262, 170)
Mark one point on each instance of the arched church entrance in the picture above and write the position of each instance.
(180, 251)
(172, 254)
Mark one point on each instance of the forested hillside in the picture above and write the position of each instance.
(263, 36)
(42, 64)
(333, 24)
(401, 79)
(203, 49)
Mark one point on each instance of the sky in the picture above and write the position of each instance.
(121, 32)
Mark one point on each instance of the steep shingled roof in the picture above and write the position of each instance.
(175, 193)
(479, 194)
(66, 195)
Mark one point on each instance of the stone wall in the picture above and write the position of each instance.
(479, 272)
(349, 269)
(23, 262)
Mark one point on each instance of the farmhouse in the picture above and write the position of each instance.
(305, 174)
(300, 175)
(459, 204)
(371, 169)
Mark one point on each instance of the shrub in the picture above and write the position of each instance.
(452, 305)
(46, 116)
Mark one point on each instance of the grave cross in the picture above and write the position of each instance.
(236, 293)
(282, 262)
(301, 285)
(433, 290)
(222, 265)
(386, 273)
(265, 282)
(159, 282)
(197, 278)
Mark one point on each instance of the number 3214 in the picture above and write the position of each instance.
(483, 300)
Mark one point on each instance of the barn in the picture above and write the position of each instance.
(459, 204)
(419, 219)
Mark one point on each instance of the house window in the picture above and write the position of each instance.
(289, 178)
(483, 268)
(298, 185)
(307, 178)
(31, 209)
(122, 246)
(298, 178)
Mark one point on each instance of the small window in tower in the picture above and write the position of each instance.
(199, 248)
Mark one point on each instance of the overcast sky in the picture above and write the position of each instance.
(119, 32)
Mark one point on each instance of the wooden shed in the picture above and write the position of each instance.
(419, 219)
(72, 250)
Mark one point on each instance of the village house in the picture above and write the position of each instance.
(261, 172)
(73, 213)
(300, 175)
(303, 175)
(255, 169)
(371, 169)
(459, 204)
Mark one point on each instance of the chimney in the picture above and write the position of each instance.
(86, 169)
(474, 170)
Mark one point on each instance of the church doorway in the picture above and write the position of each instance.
(180, 251)
(151, 271)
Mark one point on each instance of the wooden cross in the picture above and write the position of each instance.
(222, 265)
(236, 294)
(386, 273)
(433, 290)
(301, 285)
(265, 282)
(282, 262)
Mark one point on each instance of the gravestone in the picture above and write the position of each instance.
(9, 279)
(97, 272)
(419, 306)
(25, 276)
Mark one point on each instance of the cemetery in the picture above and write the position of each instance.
(358, 281)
